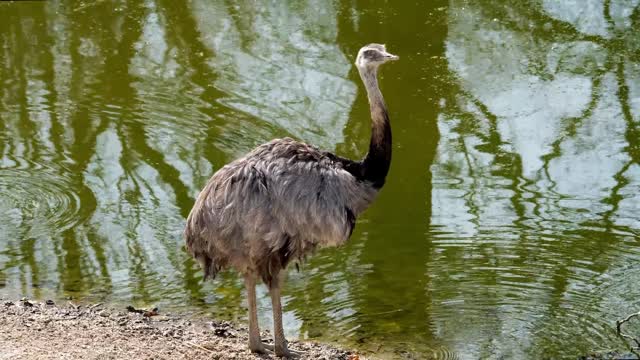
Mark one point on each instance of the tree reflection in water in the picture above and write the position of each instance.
(509, 224)
(537, 174)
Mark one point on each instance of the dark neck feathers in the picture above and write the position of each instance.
(375, 165)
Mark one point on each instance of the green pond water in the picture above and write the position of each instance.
(509, 226)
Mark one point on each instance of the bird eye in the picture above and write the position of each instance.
(369, 53)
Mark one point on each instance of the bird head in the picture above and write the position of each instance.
(373, 55)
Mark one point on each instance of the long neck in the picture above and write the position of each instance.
(377, 161)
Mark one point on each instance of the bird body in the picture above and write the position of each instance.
(285, 199)
(276, 204)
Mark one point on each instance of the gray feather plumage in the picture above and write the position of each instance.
(276, 204)
(283, 200)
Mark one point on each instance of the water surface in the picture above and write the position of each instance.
(510, 223)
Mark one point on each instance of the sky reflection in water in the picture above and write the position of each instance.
(509, 225)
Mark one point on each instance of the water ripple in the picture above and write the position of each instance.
(36, 201)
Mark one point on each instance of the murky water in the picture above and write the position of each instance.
(510, 224)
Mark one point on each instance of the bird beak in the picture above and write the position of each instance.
(389, 56)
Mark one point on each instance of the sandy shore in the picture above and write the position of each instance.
(37, 330)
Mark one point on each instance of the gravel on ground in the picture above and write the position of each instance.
(45, 330)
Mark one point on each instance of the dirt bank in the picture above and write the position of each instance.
(36, 330)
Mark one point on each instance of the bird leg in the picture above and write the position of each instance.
(255, 343)
(280, 343)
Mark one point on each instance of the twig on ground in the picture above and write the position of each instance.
(626, 336)
(197, 346)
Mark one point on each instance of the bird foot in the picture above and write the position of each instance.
(288, 354)
(261, 348)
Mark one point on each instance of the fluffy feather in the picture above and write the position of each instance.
(278, 203)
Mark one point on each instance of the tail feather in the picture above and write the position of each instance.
(196, 247)
(210, 268)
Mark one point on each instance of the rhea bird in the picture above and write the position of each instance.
(283, 200)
